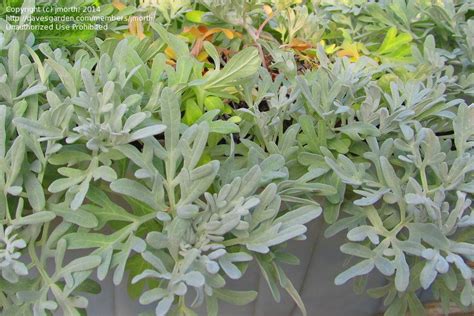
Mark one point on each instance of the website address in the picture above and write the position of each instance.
(66, 18)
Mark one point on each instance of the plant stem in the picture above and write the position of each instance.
(146, 218)
(38, 264)
(44, 238)
(424, 181)
(170, 171)
(231, 242)
(254, 37)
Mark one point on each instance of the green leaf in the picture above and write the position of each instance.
(212, 306)
(244, 64)
(263, 239)
(197, 182)
(341, 224)
(345, 169)
(212, 51)
(80, 195)
(34, 191)
(79, 217)
(179, 46)
(192, 112)
(463, 127)
(402, 276)
(36, 89)
(152, 295)
(397, 308)
(66, 78)
(195, 16)
(358, 250)
(289, 287)
(68, 156)
(223, 127)
(135, 266)
(391, 178)
(147, 132)
(392, 42)
(81, 264)
(361, 268)
(301, 215)
(106, 210)
(214, 103)
(89, 286)
(359, 130)
(235, 297)
(104, 172)
(36, 218)
(415, 305)
(39, 64)
(271, 276)
(37, 128)
(429, 233)
(135, 190)
(171, 116)
(331, 212)
(95, 240)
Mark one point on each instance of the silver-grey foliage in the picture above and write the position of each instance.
(95, 156)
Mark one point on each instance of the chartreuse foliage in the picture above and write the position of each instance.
(170, 154)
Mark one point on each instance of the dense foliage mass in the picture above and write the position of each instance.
(178, 149)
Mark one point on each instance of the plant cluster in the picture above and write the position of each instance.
(172, 153)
